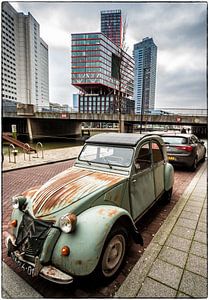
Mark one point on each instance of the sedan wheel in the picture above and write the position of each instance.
(194, 166)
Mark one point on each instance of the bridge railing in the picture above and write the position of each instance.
(12, 107)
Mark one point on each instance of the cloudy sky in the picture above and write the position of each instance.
(178, 30)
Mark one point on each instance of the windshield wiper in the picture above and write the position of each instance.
(106, 160)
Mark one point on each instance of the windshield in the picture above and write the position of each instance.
(110, 155)
(175, 140)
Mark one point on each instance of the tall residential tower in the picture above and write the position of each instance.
(145, 57)
(111, 25)
(24, 65)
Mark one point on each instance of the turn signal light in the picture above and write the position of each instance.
(13, 223)
(65, 251)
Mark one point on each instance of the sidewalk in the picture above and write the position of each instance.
(175, 263)
(49, 156)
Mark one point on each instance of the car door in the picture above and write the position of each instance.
(142, 190)
(158, 167)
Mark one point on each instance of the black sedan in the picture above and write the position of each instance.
(184, 149)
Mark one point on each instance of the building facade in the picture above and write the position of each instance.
(100, 70)
(111, 25)
(145, 57)
(24, 66)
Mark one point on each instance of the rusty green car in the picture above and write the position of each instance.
(79, 222)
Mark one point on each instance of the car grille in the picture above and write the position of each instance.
(31, 236)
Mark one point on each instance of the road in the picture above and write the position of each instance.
(17, 181)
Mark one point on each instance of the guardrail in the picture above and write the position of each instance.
(15, 107)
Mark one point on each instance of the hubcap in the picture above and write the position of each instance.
(113, 255)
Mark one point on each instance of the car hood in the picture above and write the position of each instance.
(69, 187)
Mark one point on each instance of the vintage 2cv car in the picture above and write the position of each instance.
(79, 222)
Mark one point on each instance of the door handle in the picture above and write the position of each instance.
(134, 180)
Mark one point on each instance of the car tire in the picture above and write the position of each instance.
(194, 165)
(113, 254)
(168, 195)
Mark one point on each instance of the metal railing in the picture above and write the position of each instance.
(14, 151)
(12, 108)
(40, 145)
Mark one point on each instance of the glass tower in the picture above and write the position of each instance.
(145, 57)
(111, 25)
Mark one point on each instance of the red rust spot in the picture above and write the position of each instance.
(50, 271)
(101, 211)
(112, 212)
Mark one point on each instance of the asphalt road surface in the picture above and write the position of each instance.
(17, 181)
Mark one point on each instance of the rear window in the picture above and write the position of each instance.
(175, 140)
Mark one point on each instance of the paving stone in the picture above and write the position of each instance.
(202, 226)
(199, 249)
(173, 256)
(184, 232)
(203, 216)
(200, 237)
(178, 243)
(166, 273)
(195, 203)
(186, 223)
(197, 265)
(194, 285)
(154, 289)
(189, 215)
(193, 209)
(182, 295)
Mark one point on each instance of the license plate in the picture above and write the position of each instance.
(26, 267)
(171, 158)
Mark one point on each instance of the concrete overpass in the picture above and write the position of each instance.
(69, 124)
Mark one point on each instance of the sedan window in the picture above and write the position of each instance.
(175, 140)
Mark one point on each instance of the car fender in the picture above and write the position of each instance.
(86, 243)
(169, 176)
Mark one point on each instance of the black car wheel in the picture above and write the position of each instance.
(194, 166)
(167, 195)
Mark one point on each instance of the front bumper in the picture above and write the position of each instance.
(48, 272)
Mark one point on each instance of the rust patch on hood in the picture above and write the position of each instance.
(30, 192)
(68, 187)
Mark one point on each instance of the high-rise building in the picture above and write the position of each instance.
(100, 70)
(145, 57)
(24, 65)
(111, 25)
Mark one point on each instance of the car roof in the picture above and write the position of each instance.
(185, 135)
(129, 139)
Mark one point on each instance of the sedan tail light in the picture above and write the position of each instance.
(185, 148)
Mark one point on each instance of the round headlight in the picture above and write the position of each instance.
(15, 202)
(19, 202)
(68, 223)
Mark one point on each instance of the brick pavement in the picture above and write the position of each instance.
(17, 181)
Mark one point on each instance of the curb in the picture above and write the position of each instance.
(13, 286)
(133, 282)
(38, 165)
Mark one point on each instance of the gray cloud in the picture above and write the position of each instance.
(178, 29)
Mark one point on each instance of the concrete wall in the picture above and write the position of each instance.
(54, 128)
